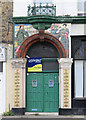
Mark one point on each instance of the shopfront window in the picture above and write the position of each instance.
(78, 53)
(80, 78)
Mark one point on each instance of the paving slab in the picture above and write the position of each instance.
(41, 117)
(0, 117)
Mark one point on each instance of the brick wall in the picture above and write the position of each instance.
(6, 9)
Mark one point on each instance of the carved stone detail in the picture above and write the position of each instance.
(18, 62)
(65, 62)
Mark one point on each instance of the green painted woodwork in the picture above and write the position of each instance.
(49, 19)
(42, 98)
(51, 94)
(34, 94)
(39, 26)
(45, 21)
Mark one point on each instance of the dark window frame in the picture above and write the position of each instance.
(1, 66)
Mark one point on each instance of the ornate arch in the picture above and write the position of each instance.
(28, 42)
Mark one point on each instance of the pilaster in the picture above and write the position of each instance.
(19, 68)
(65, 82)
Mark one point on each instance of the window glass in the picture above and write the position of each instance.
(50, 66)
(81, 5)
(78, 47)
(1, 66)
(85, 79)
(78, 78)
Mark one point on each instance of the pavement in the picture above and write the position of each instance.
(0, 117)
(41, 117)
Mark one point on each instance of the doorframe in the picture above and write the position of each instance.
(58, 95)
(44, 113)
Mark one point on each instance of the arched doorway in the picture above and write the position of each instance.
(42, 88)
(36, 38)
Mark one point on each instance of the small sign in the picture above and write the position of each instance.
(35, 65)
(34, 83)
(51, 83)
(2, 53)
(34, 109)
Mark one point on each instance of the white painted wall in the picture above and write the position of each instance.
(2, 88)
(78, 29)
(43, 1)
(20, 7)
(66, 7)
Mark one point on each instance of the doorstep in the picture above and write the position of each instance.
(42, 113)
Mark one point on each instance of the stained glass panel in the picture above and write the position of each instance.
(78, 47)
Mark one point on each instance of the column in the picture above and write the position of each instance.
(19, 70)
(65, 82)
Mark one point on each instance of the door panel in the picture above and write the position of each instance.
(34, 92)
(51, 92)
(42, 92)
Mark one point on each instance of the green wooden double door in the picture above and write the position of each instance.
(42, 92)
